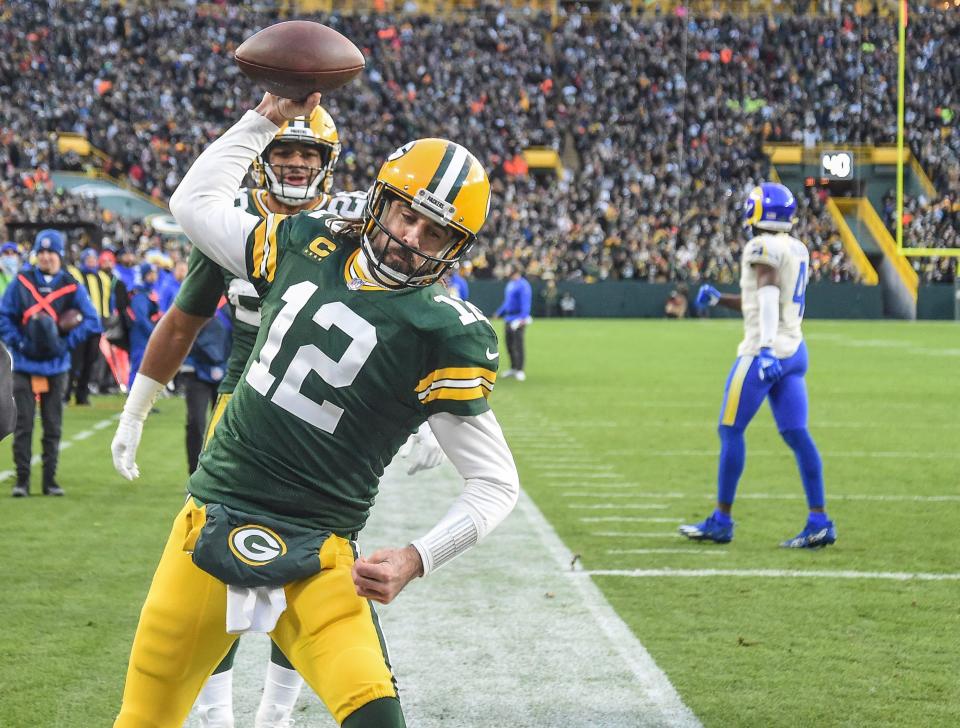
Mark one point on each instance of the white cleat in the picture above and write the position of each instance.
(274, 716)
(215, 716)
(508, 373)
(521, 377)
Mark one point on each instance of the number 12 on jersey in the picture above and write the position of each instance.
(341, 373)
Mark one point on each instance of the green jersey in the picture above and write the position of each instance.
(206, 282)
(342, 373)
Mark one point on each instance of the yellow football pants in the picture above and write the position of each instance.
(328, 633)
(218, 409)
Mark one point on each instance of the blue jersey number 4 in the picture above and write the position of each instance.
(800, 289)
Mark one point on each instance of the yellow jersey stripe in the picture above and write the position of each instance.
(222, 401)
(457, 394)
(736, 387)
(462, 384)
(260, 203)
(271, 264)
(259, 239)
(463, 373)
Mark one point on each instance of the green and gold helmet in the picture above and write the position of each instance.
(440, 180)
(316, 130)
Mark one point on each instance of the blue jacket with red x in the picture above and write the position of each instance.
(29, 311)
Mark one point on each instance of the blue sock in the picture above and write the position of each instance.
(817, 519)
(808, 461)
(721, 517)
(733, 456)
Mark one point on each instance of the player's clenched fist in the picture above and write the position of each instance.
(280, 110)
(384, 574)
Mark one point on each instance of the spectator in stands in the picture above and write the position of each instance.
(85, 355)
(143, 314)
(168, 289)
(125, 269)
(515, 311)
(662, 144)
(550, 297)
(29, 316)
(9, 264)
(677, 303)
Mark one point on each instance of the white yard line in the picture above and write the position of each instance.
(687, 552)
(567, 475)
(499, 637)
(617, 506)
(637, 534)
(773, 574)
(893, 497)
(562, 461)
(64, 444)
(590, 494)
(621, 484)
(898, 454)
(628, 519)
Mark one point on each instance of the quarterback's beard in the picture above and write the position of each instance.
(399, 259)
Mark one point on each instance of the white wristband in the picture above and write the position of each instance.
(454, 535)
(769, 299)
(143, 394)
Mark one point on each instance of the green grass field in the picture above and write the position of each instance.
(614, 435)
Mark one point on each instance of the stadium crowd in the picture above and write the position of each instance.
(660, 121)
(928, 224)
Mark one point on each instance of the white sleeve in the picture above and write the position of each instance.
(476, 447)
(203, 203)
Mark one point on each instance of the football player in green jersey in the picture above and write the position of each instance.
(293, 174)
(356, 349)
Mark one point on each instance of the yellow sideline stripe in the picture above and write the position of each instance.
(457, 393)
(736, 386)
(466, 373)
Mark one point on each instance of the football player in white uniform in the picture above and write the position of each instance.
(771, 362)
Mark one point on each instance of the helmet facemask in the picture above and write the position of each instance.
(397, 264)
(318, 179)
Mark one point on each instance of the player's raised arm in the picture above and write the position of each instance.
(203, 203)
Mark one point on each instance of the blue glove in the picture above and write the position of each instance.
(707, 296)
(770, 369)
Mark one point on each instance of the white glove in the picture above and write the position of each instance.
(143, 394)
(125, 444)
(422, 449)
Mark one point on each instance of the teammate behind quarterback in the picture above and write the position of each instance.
(357, 348)
(771, 363)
